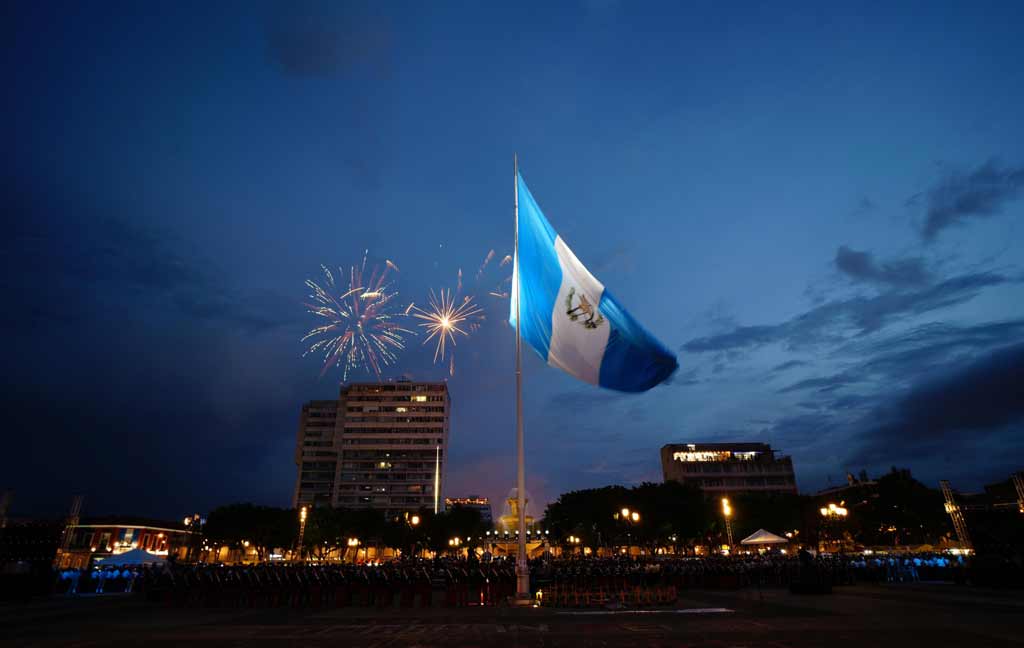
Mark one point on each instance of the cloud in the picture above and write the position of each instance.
(250, 313)
(686, 378)
(91, 264)
(930, 348)
(962, 196)
(799, 431)
(310, 39)
(880, 407)
(864, 206)
(823, 385)
(861, 266)
(789, 364)
(583, 400)
(897, 360)
(247, 442)
(981, 398)
(833, 321)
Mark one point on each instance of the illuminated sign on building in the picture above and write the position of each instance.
(712, 455)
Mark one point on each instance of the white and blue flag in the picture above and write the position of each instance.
(571, 320)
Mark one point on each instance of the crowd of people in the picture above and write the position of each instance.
(451, 582)
(102, 580)
(406, 583)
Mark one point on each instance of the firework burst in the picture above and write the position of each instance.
(362, 328)
(446, 315)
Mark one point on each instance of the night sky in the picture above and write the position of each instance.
(819, 208)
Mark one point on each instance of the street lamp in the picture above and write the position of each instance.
(454, 542)
(303, 512)
(574, 540)
(414, 522)
(727, 513)
(628, 517)
(832, 512)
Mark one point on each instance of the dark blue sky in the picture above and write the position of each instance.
(818, 207)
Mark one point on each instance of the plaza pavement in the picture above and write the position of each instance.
(861, 616)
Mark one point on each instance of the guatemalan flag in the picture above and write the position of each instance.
(571, 320)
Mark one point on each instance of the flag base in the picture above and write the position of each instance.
(523, 581)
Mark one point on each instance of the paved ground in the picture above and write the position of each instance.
(865, 617)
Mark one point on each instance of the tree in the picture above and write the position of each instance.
(899, 510)
(265, 527)
(457, 522)
(665, 511)
(325, 532)
(776, 512)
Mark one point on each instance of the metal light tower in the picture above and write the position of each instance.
(72, 521)
(1018, 484)
(959, 523)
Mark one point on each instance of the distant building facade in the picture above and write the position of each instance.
(475, 502)
(724, 468)
(380, 446)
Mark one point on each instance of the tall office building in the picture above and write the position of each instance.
(380, 445)
(724, 468)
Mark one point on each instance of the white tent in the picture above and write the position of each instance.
(133, 557)
(762, 537)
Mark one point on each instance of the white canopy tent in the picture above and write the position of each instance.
(761, 538)
(133, 557)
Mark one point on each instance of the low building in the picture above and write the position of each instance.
(726, 468)
(475, 502)
(32, 542)
(105, 537)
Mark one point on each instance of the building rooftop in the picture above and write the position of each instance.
(742, 447)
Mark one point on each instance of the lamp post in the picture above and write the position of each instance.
(455, 543)
(194, 525)
(303, 512)
(414, 523)
(830, 514)
(628, 517)
(727, 514)
(574, 542)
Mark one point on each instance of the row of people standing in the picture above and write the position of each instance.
(412, 583)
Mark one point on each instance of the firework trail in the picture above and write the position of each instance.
(501, 289)
(483, 266)
(361, 331)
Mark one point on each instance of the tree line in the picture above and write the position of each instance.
(328, 530)
(895, 509)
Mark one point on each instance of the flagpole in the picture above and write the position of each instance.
(522, 567)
